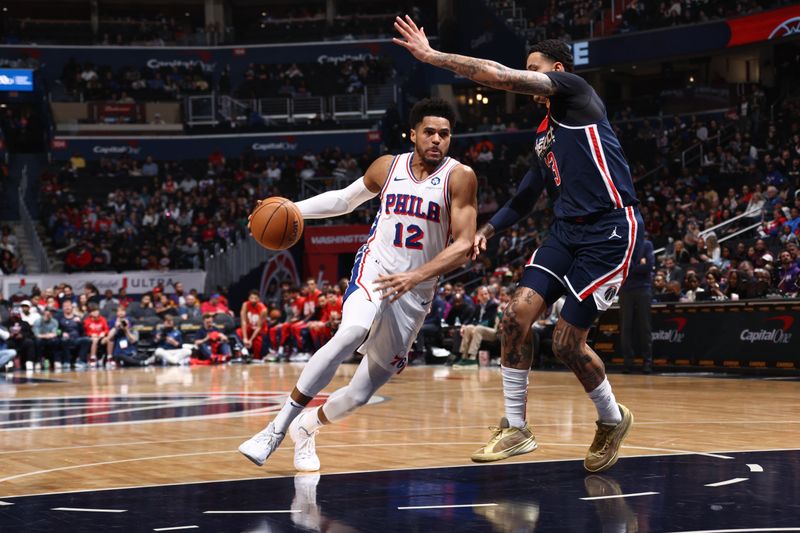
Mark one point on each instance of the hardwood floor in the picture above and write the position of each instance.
(132, 427)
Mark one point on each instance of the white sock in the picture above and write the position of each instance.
(288, 412)
(309, 420)
(606, 403)
(515, 392)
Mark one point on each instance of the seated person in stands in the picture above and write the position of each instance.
(215, 305)
(481, 326)
(280, 334)
(73, 341)
(211, 342)
(165, 306)
(169, 344)
(190, 310)
(736, 287)
(252, 331)
(96, 328)
(672, 294)
(460, 313)
(146, 308)
(48, 343)
(21, 338)
(659, 285)
(761, 284)
(7, 354)
(712, 285)
(123, 340)
(108, 302)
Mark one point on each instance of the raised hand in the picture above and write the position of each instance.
(414, 39)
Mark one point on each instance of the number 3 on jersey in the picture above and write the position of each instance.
(415, 235)
(551, 162)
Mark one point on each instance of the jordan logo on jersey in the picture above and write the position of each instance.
(410, 205)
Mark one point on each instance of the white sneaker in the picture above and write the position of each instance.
(305, 447)
(261, 445)
(29, 366)
(57, 366)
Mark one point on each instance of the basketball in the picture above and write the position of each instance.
(276, 223)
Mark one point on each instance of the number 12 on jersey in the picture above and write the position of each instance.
(413, 239)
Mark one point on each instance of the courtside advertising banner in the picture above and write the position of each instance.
(742, 334)
(134, 282)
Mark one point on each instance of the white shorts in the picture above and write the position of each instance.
(393, 326)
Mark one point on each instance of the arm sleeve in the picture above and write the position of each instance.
(523, 200)
(338, 202)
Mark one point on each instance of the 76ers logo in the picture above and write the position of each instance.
(400, 362)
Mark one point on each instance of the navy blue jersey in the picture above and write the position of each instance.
(581, 152)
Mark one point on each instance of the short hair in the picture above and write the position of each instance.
(253, 292)
(431, 107)
(554, 49)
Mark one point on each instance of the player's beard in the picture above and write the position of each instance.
(432, 161)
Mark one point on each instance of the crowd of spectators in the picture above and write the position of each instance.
(268, 23)
(127, 84)
(581, 19)
(352, 20)
(327, 78)
(59, 329)
(134, 29)
(649, 14)
(170, 214)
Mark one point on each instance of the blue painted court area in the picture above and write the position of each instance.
(746, 491)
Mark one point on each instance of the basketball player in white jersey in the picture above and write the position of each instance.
(425, 228)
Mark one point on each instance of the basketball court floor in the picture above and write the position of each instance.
(155, 450)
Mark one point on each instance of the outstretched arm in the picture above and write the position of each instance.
(342, 201)
(463, 220)
(483, 71)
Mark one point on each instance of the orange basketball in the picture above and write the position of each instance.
(276, 223)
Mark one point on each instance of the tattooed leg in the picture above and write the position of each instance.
(525, 307)
(569, 345)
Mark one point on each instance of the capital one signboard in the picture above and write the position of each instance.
(765, 333)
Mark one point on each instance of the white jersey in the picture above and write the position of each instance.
(413, 224)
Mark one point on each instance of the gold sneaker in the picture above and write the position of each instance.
(506, 442)
(604, 451)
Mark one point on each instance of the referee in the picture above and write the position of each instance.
(634, 302)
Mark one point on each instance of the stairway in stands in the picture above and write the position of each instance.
(23, 175)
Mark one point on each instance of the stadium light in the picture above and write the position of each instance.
(485, 100)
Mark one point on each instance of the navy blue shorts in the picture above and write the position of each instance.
(588, 262)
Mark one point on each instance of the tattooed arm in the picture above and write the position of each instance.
(483, 71)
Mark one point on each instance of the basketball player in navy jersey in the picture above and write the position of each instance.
(597, 234)
(425, 227)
